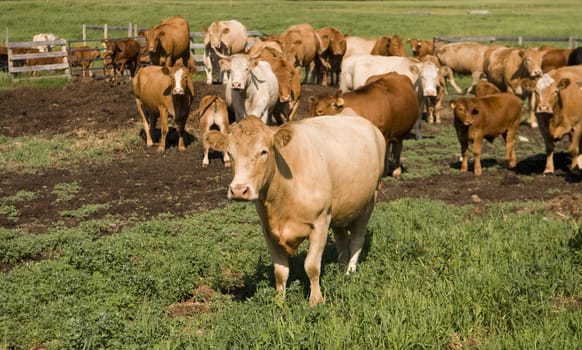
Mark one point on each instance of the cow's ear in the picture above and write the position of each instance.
(224, 64)
(564, 83)
(474, 111)
(226, 31)
(282, 137)
(204, 29)
(216, 140)
(414, 69)
(339, 93)
(339, 103)
(311, 99)
(165, 70)
(453, 103)
(521, 53)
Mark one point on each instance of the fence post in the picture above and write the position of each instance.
(105, 31)
(129, 30)
(84, 34)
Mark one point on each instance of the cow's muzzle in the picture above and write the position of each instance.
(240, 192)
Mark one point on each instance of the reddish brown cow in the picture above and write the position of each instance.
(213, 112)
(554, 57)
(559, 111)
(421, 48)
(168, 41)
(485, 88)
(387, 100)
(162, 92)
(486, 118)
(84, 57)
(329, 57)
(120, 54)
(304, 178)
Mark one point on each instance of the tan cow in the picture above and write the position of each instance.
(487, 117)
(388, 101)
(213, 112)
(464, 58)
(559, 111)
(327, 66)
(168, 41)
(300, 44)
(161, 92)
(306, 177)
(84, 57)
(508, 68)
(420, 48)
(226, 37)
(385, 46)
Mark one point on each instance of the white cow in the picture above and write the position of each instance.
(424, 76)
(44, 37)
(251, 86)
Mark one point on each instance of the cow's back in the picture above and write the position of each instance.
(177, 34)
(358, 46)
(357, 69)
(233, 34)
(335, 159)
(462, 57)
(499, 112)
(149, 84)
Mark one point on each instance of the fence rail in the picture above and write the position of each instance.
(33, 61)
(572, 41)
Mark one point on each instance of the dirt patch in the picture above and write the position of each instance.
(144, 184)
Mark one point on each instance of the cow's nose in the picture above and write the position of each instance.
(543, 108)
(430, 92)
(239, 191)
(236, 85)
(286, 98)
(178, 91)
(536, 73)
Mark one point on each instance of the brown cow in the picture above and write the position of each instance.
(225, 37)
(84, 57)
(485, 88)
(213, 112)
(306, 177)
(421, 48)
(327, 66)
(289, 89)
(168, 41)
(508, 68)
(384, 46)
(162, 91)
(387, 100)
(464, 58)
(486, 118)
(559, 111)
(554, 57)
(300, 44)
(120, 54)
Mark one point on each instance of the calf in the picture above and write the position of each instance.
(485, 88)
(559, 111)
(161, 92)
(120, 54)
(213, 112)
(84, 57)
(420, 48)
(306, 177)
(388, 101)
(487, 117)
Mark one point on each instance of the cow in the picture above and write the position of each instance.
(485, 88)
(300, 44)
(553, 57)
(306, 177)
(388, 101)
(383, 45)
(168, 41)
(420, 48)
(508, 68)
(464, 58)
(251, 86)
(423, 75)
(84, 57)
(228, 38)
(327, 65)
(213, 112)
(120, 54)
(161, 92)
(559, 111)
(486, 117)
(289, 89)
(434, 103)
(44, 37)
(575, 57)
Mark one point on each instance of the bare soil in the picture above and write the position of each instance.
(143, 183)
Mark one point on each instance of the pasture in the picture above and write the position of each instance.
(105, 243)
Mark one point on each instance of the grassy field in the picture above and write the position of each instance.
(435, 276)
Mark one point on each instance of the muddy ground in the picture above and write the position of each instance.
(142, 183)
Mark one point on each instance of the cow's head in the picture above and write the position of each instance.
(238, 68)
(152, 37)
(389, 46)
(326, 105)
(181, 78)
(430, 77)
(415, 45)
(531, 61)
(289, 81)
(549, 99)
(253, 148)
(464, 111)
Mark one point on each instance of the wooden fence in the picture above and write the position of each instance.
(518, 40)
(22, 58)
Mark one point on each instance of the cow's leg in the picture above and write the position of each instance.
(163, 128)
(144, 120)
(340, 235)
(182, 134)
(395, 150)
(205, 160)
(574, 147)
(477, 154)
(543, 124)
(462, 135)
(475, 77)
(358, 235)
(312, 265)
(225, 158)
(439, 104)
(422, 102)
(532, 121)
(450, 77)
(280, 261)
(510, 147)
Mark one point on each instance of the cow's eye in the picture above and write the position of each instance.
(263, 153)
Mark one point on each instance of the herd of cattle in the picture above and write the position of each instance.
(318, 173)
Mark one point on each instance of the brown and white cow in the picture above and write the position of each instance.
(420, 48)
(388, 101)
(168, 41)
(327, 65)
(559, 111)
(84, 57)
(226, 37)
(118, 55)
(509, 68)
(161, 92)
(464, 58)
(300, 44)
(306, 177)
(387, 45)
(44, 37)
(486, 117)
(213, 112)
(485, 88)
